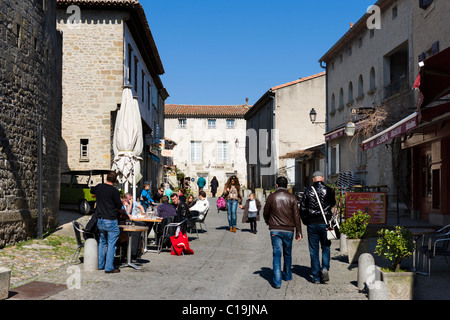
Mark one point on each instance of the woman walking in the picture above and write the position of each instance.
(251, 212)
(214, 186)
(232, 194)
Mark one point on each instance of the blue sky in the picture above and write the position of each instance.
(219, 52)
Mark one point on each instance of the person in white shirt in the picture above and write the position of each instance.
(201, 206)
(251, 212)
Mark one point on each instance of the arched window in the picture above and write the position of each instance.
(372, 79)
(333, 103)
(350, 92)
(360, 86)
(341, 98)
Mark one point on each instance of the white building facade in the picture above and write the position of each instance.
(210, 142)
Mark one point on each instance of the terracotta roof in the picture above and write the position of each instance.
(298, 81)
(193, 111)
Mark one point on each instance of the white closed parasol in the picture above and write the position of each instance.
(128, 141)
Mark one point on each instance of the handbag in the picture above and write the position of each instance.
(332, 227)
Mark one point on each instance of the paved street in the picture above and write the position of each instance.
(224, 266)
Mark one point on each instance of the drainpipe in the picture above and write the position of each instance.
(326, 116)
(273, 145)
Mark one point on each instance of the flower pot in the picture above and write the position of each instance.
(400, 284)
(356, 247)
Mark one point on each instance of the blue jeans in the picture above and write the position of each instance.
(232, 210)
(109, 233)
(282, 245)
(317, 234)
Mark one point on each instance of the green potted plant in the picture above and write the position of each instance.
(396, 245)
(355, 229)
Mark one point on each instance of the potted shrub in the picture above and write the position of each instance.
(355, 228)
(396, 245)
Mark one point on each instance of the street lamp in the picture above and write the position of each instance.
(313, 116)
(350, 129)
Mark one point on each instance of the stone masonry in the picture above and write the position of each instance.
(92, 85)
(30, 93)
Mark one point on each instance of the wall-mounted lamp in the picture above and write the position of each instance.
(313, 116)
(350, 129)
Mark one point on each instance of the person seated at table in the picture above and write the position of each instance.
(158, 195)
(146, 199)
(181, 195)
(165, 209)
(183, 212)
(201, 206)
(191, 201)
(133, 208)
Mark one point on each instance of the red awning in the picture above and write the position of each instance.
(398, 129)
(434, 77)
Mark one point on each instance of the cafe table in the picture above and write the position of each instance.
(129, 229)
(144, 218)
(417, 233)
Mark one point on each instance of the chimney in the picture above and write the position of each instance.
(246, 101)
(351, 25)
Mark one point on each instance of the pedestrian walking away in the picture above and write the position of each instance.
(201, 183)
(108, 206)
(312, 217)
(232, 194)
(251, 212)
(214, 185)
(283, 218)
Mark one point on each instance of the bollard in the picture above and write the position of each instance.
(343, 243)
(5, 276)
(378, 290)
(366, 270)
(91, 255)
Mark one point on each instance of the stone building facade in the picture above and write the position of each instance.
(30, 95)
(107, 45)
(282, 127)
(370, 69)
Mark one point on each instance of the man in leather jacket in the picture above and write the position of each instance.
(317, 228)
(282, 215)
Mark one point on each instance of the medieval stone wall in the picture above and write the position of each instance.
(30, 93)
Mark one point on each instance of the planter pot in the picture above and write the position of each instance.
(356, 247)
(400, 284)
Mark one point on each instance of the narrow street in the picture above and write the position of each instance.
(224, 266)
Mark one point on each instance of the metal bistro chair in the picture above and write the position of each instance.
(79, 230)
(438, 245)
(169, 230)
(200, 222)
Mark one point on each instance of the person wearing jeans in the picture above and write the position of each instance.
(109, 233)
(311, 213)
(232, 193)
(283, 218)
(107, 210)
(317, 235)
(282, 246)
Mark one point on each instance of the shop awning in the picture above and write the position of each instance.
(398, 129)
(434, 77)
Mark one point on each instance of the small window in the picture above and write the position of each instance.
(19, 36)
(230, 123)
(360, 42)
(196, 151)
(211, 123)
(372, 33)
(394, 12)
(182, 123)
(84, 149)
(424, 4)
